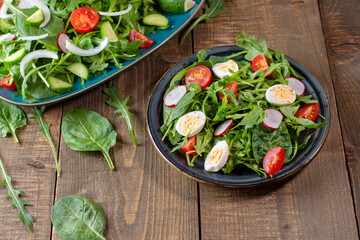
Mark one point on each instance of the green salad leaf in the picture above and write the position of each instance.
(122, 107)
(13, 193)
(86, 130)
(45, 130)
(213, 9)
(11, 118)
(78, 217)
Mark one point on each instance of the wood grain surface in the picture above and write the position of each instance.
(144, 198)
(307, 207)
(342, 32)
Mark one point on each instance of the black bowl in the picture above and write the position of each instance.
(241, 177)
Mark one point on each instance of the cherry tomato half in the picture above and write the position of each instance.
(260, 62)
(200, 75)
(273, 160)
(1, 3)
(84, 19)
(5, 82)
(138, 36)
(230, 86)
(309, 111)
(189, 146)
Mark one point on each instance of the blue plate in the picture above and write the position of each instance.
(242, 176)
(176, 23)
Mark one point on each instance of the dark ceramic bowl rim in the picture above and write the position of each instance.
(260, 181)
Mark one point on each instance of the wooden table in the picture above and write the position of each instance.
(147, 199)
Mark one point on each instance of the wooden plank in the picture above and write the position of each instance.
(144, 198)
(31, 165)
(341, 25)
(317, 203)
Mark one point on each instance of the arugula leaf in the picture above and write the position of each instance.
(11, 118)
(253, 47)
(78, 217)
(288, 112)
(45, 130)
(86, 130)
(213, 9)
(17, 202)
(121, 106)
(252, 117)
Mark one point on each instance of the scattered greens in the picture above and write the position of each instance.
(78, 217)
(45, 130)
(35, 83)
(11, 118)
(121, 106)
(212, 10)
(85, 130)
(17, 202)
(248, 139)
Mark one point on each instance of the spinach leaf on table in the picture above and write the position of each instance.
(17, 202)
(121, 106)
(264, 139)
(45, 130)
(78, 217)
(86, 130)
(11, 118)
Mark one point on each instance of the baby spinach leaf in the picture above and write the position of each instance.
(85, 130)
(45, 130)
(264, 139)
(53, 28)
(121, 106)
(17, 202)
(78, 217)
(11, 118)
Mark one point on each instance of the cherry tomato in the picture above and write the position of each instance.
(1, 3)
(260, 62)
(200, 75)
(5, 82)
(230, 86)
(84, 19)
(309, 111)
(190, 146)
(273, 160)
(138, 36)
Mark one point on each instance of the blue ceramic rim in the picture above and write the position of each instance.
(296, 164)
(112, 70)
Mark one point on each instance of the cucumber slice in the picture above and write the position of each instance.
(59, 86)
(79, 70)
(5, 26)
(108, 31)
(176, 6)
(35, 19)
(15, 57)
(156, 19)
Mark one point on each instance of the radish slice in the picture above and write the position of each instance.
(86, 53)
(35, 55)
(297, 85)
(62, 42)
(272, 118)
(174, 96)
(112, 14)
(7, 37)
(3, 11)
(223, 127)
(24, 4)
(31, 38)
